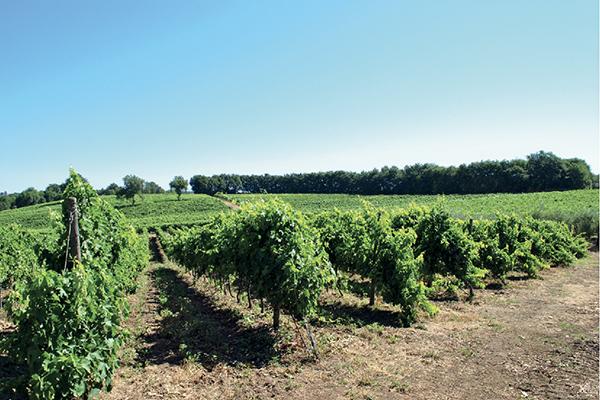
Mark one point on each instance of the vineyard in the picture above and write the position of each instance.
(155, 210)
(388, 263)
(578, 208)
(67, 312)
(273, 253)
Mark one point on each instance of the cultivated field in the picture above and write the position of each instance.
(575, 207)
(154, 210)
(383, 300)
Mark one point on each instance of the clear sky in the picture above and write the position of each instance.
(159, 88)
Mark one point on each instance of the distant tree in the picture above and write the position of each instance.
(53, 192)
(577, 174)
(545, 171)
(201, 184)
(179, 184)
(153, 188)
(7, 201)
(29, 197)
(132, 186)
(111, 189)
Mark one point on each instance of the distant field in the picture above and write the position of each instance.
(155, 210)
(576, 207)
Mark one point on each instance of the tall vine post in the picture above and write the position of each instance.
(74, 242)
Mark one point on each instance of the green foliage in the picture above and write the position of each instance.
(179, 185)
(505, 245)
(447, 250)
(202, 249)
(400, 276)
(455, 254)
(365, 243)
(111, 189)
(53, 192)
(162, 210)
(267, 247)
(554, 242)
(157, 210)
(577, 208)
(408, 217)
(511, 243)
(151, 188)
(29, 197)
(68, 320)
(285, 261)
(7, 201)
(107, 241)
(68, 331)
(494, 257)
(132, 186)
(18, 256)
(541, 171)
(336, 233)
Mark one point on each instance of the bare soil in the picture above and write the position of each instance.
(229, 204)
(535, 339)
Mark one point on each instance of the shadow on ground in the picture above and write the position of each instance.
(194, 328)
(340, 313)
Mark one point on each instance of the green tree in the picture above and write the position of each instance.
(179, 185)
(577, 174)
(29, 197)
(545, 171)
(111, 189)
(201, 184)
(53, 192)
(133, 185)
(7, 201)
(153, 188)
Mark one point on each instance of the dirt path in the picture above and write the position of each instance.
(537, 339)
(229, 204)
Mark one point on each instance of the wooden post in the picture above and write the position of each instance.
(74, 250)
(276, 313)
(313, 342)
(372, 293)
(249, 298)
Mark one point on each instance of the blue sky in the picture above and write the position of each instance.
(160, 89)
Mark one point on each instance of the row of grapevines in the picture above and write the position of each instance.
(266, 249)
(524, 244)
(443, 253)
(272, 252)
(69, 319)
(406, 255)
(460, 253)
(366, 244)
(18, 256)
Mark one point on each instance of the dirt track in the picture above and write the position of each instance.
(537, 339)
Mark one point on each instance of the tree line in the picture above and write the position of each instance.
(539, 172)
(133, 186)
